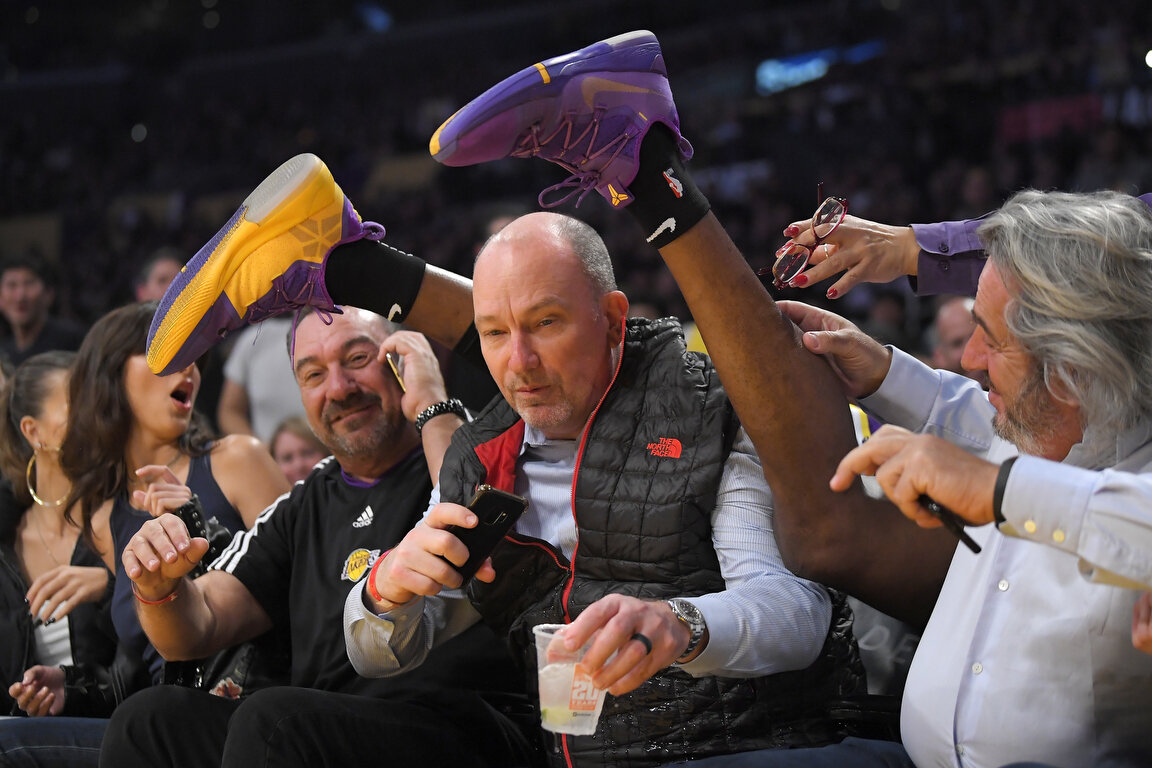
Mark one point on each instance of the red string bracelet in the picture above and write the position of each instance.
(371, 586)
(166, 599)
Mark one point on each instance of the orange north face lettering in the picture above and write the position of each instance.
(666, 446)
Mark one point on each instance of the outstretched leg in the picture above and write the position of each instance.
(606, 114)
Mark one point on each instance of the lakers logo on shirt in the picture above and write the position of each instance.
(358, 563)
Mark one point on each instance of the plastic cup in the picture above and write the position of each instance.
(569, 702)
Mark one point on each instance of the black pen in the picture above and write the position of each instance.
(951, 521)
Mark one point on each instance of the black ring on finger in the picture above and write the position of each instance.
(644, 641)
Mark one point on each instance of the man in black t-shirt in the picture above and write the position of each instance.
(292, 571)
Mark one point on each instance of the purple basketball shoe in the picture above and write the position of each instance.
(586, 111)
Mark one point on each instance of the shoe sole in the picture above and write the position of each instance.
(549, 78)
(300, 181)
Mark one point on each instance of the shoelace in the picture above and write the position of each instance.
(581, 182)
(303, 298)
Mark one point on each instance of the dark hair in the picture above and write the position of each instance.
(100, 417)
(35, 264)
(24, 394)
(386, 325)
(166, 253)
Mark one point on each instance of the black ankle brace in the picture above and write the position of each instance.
(374, 276)
(667, 203)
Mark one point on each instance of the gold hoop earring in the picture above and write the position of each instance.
(32, 491)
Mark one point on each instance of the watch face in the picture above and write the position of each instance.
(689, 613)
(693, 618)
(686, 609)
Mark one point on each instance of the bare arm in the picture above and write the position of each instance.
(248, 475)
(443, 308)
(205, 615)
(424, 386)
(232, 410)
(793, 408)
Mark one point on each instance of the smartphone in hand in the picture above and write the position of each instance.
(395, 371)
(497, 511)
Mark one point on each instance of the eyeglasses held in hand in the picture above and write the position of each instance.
(793, 257)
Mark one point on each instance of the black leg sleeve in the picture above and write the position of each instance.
(374, 276)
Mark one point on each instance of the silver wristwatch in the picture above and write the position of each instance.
(690, 615)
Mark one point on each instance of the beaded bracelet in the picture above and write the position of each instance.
(438, 409)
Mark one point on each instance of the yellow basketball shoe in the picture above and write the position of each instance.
(267, 260)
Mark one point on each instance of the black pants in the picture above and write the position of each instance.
(187, 728)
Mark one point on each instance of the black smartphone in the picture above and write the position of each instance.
(497, 511)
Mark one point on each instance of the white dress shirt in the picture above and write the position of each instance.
(1023, 657)
(766, 620)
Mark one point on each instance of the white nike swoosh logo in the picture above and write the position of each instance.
(667, 224)
(394, 311)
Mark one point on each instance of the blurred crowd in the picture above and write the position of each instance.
(122, 153)
(118, 155)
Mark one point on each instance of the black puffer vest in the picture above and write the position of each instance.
(648, 469)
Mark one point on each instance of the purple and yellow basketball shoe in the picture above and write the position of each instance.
(269, 259)
(586, 111)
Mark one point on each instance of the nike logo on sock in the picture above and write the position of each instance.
(667, 225)
(394, 311)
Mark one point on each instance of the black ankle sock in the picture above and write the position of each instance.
(667, 203)
(374, 276)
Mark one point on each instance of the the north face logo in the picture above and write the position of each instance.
(666, 446)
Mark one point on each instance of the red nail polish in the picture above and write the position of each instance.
(833, 293)
(792, 231)
(800, 281)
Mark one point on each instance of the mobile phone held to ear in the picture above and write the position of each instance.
(395, 371)
(497, 511)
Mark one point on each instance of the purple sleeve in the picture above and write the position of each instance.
(951, 257)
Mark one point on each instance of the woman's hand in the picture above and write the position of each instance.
(41, 692)
(163, 491)
(56, 592)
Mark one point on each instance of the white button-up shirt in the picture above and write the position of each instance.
(1023, 657)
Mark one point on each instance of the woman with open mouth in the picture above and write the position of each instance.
(135, 448)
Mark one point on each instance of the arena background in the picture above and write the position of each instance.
(126, 126)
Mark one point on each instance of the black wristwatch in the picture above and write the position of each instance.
(690, 615)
